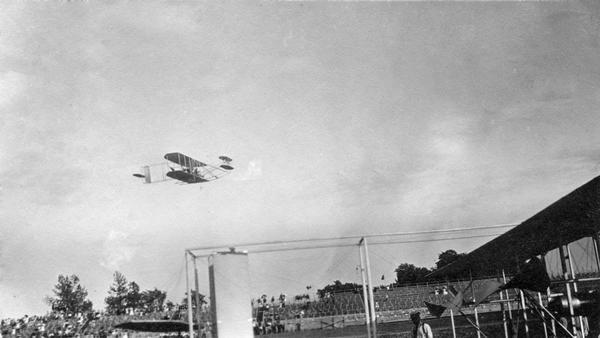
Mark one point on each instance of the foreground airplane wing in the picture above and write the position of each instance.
(572, 217)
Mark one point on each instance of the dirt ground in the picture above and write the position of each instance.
(491, 324)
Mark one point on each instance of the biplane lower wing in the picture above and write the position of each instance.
(186, 177)
(572, 217)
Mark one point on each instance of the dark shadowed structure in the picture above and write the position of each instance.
(154, 325)
(572, 217)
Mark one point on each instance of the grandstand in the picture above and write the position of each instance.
(338, 310)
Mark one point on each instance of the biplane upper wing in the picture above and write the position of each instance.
(184, 160)
(572, 217)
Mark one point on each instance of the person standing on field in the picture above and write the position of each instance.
(421, 329)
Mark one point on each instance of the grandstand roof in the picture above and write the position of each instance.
(572, 217)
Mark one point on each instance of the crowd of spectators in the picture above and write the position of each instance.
(92, 324)
(271, 314)
(50, 325)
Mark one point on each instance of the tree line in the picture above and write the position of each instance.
(70, 297)
(410, 274)
(406, 274)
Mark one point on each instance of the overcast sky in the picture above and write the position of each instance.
(342, 119)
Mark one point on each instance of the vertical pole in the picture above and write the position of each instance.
(477, 322)
(504, 323)
(575, 289)
(539, 294)
(553, 327)
(371, 298)
(197, 296)
(365, 297)
(452, 321)
(553, 324)
(524, 313)
(189, 296)
(508, 305)
(596, 241)
(503, 314)
(507, 298)
(475, 309)
(522, 304)
(565, 271)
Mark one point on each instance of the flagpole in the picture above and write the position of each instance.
(365, 299)
(371, 298)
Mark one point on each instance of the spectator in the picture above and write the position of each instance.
(421, 329)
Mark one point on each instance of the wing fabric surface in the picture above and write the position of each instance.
(184, 160)
(185, 176)
(572, 217)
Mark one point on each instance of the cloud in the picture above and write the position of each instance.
(3, 245)
(39, 177)
(253, 172)
(11, 85)
(116, 250)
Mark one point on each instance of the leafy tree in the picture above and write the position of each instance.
(448, 257)
(337, 287)
(133, 298)
(116, 302)
(123, 295)
(184, 301)
(153, 300)
(409, 273)
(70, 297)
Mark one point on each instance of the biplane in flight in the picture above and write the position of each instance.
(185, 169)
